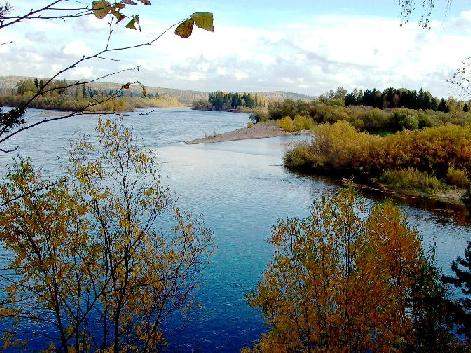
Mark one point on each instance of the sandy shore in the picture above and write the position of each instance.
(258, 131)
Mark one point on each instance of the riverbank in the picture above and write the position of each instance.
(424, 166)
(447, 203)
(99, 105)
(447, 200)
(256, 131)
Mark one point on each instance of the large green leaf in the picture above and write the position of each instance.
(185, 28)
(101, 8)
(204, 20)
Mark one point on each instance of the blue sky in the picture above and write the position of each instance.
(260, 45)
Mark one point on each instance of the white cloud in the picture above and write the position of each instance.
(311, 57)
(76, 48)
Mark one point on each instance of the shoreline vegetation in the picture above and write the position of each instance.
(363, 137)
(421, 152)
(63, 95)
(88, 105)
(403, 144)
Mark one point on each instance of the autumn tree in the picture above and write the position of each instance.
(103, 256)
(343, 279)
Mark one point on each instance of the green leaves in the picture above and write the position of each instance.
(203, 20)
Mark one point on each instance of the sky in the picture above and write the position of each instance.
(303, 46)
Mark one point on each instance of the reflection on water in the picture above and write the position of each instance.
(241, 189)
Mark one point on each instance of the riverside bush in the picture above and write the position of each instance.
(411, 179)
(457, 177)
(340, 149)
(299, 123)
(287, 124)
(373, 120)
(303, 123)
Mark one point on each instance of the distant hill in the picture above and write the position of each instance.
(186, 97)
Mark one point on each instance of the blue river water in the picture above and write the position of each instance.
(241, 189)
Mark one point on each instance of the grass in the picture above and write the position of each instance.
(412, 180)
(457, 177)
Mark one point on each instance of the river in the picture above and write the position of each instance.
(241, 189)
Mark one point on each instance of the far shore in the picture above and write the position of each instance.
(257, 131)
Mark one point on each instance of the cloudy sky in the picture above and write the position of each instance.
(304, 46)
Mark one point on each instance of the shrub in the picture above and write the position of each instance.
(374, 120)
(287, 124)
(340, 149)
(298, 158)
(250, 125)
(336, 148)
(457, 177)
(411, 179)
(259, 115)
(405, 119)
(303, 123)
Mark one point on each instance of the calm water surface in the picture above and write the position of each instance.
(241, 189)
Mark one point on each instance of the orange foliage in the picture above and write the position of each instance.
(340, 283)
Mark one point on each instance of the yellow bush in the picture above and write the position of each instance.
(341, 149)
(457, 177)
(303, 123)
(287, 124)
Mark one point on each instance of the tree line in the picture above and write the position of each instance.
(227, 101)
(402, 98)
(71, 89)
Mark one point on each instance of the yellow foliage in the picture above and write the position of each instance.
(91, 246)
(339, 282)
(342, 150)
(287, 124)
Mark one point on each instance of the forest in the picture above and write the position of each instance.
(403, 98)
(235, 101)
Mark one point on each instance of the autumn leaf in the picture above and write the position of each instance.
(134, 23)
(119, 16)
(204, 20)
(101, 8)
(185, 28)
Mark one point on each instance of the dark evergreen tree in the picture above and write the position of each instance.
(443, 106)
(461, 280)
